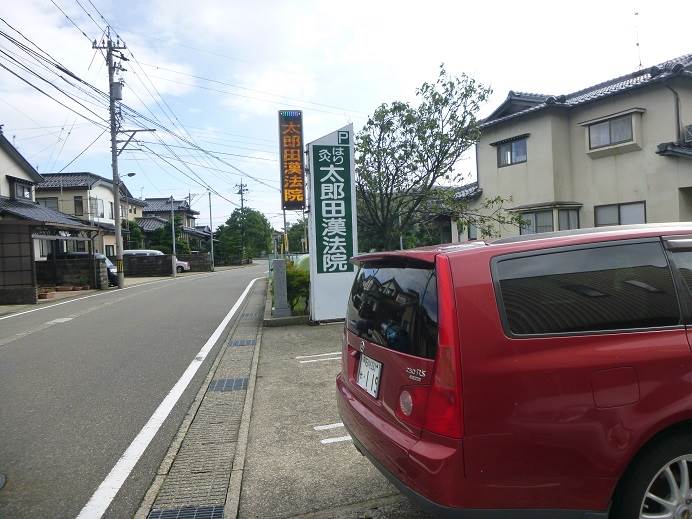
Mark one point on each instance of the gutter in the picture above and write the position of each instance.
(678, 127)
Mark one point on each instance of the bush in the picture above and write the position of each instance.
(298, 286)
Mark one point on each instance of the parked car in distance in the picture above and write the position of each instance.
(543, 376)
(180, 266)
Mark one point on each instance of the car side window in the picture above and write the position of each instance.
(613, 287)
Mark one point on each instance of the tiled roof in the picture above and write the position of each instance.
(671, 149)
(469, 191)
(151, 223)
(680, 66)
(81, 180)
(32, 211)
(70, 180)
(158, 205)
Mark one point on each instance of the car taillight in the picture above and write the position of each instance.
(444, 409)
(412, 404)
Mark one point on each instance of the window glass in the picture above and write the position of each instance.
(683, 262)
(50, 203)
(568, 219)
(99, 210)
(529, 225)
(621, 129)
(544, 221)
(607, 215)
(632, 213)
(110, 250)
(519, 151)
(396, 308)
(505, 154)
(599, 134)
(110, 210)
(473, 232)
(605, 288)
(78, 206)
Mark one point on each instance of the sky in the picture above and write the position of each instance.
(217, 71)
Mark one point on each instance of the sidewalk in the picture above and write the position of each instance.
(300, 462)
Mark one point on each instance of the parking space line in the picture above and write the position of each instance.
(319, 360)
(335, 440)
(318, 355)
(327, 427)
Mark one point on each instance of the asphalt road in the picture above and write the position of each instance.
(79, 380)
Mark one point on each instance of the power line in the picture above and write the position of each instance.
(83, 151)
(221, 152)
(71, 20)
(254, 89)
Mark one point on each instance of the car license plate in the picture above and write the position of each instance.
(369, 374)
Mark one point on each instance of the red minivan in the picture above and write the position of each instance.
(542, 376)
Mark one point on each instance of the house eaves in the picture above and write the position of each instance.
(671, 149)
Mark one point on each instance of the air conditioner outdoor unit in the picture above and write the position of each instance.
(688, 134)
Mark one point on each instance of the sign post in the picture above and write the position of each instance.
(332, 223)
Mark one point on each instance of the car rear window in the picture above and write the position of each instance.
(614, 287)
(395, 307)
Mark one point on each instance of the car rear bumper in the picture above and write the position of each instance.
(402, 472)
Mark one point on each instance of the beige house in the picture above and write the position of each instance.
(615, 153)
(88, 197)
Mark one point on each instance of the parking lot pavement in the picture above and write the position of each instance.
(300, 460)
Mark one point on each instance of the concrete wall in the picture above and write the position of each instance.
(144, 266)
(73, 271)
(560, 167)
(17, 278)
(198, 262)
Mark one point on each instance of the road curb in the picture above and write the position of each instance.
(232, 504)
(173, 449)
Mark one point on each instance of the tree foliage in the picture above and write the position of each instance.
(407, 154)
(135, 238)
(160, 239)
(257, 235)
(296, 233)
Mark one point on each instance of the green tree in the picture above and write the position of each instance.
(135, 238)
(406, 154)
(296, 235)
(246, 228)
(161, 238)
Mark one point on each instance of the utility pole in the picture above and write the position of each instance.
(211, 233)
(115, 95)
(242, 189)
(173, 236)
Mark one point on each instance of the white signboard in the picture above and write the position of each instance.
(332, 225)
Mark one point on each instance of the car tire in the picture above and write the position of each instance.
(179, 270)
(670, 456)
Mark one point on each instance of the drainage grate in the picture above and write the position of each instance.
(228, 384)
(244, 342)
(189, 512)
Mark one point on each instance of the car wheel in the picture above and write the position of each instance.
(179, 269)
(658, 484)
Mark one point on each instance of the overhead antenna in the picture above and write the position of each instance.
(636, 36)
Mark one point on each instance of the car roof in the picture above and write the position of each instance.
(533, 241)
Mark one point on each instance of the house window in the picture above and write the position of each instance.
(80, 246)
(620, 214)
(567, 219)
(49, 203)
(99, 208)
(22, 191)
(472, 232)
(78, 206)
(610, 132)
(110, 210)
(513, 152)
(110, 250)
(44, 248)
(539, 221)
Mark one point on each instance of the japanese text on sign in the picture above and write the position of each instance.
(332, 184)
(291, 146)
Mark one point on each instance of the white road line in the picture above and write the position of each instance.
(318, 355)
(334, 440)
(102, 498)
(60, 320)
(327, 427)
(102, 293)
(318, 360)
